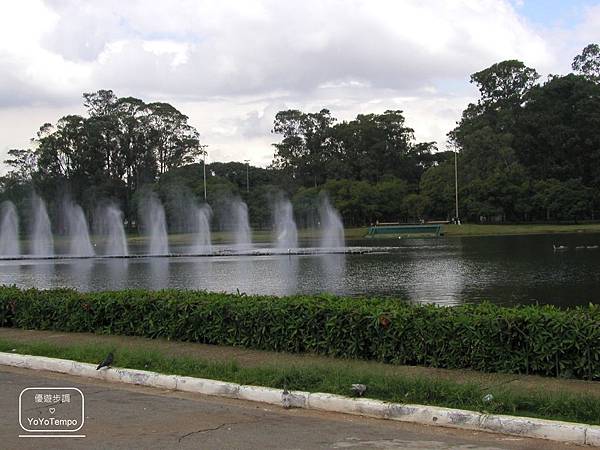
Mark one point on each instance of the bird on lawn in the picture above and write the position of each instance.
(359, 389)
(107, 362)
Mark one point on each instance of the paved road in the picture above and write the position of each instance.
(133, 417)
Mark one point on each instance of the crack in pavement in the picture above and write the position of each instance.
(204, 430)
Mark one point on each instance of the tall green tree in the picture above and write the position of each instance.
(305, 146)
(121, 145)
(486, 139)
(588, 62)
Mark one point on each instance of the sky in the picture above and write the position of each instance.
(231, 65)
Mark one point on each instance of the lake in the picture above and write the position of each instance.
(505, 270)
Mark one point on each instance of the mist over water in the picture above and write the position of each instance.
(332, 228)
(240, 223)
(284, 226)
(109, 225)
(41, 239)
(332, 237)
(9, 230)
(202, 216)
(154, 225)
(77, 228)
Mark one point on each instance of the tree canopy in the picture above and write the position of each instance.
(526, 151)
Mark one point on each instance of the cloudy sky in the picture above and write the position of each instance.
(231, 65)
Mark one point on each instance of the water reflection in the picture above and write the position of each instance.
(117, 270)
(242, 280)
(443, 276)
(193, 273)
(287, 269)
(80, 273)
(159, 273)
(333, 269)
(506, 270)
(39, 274)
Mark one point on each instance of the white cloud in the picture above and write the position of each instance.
(230, 65)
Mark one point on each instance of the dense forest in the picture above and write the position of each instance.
(526, 151)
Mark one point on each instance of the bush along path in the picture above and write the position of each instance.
(542, 340)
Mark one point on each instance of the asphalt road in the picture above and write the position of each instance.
(132, 417)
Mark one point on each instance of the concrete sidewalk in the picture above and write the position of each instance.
(133, 417)
(254, 358)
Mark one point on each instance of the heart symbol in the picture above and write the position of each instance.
(51, 410)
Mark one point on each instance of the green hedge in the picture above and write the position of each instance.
(528, 339)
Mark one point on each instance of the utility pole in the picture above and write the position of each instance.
(247, 161)
(204, 170)
(456, 184)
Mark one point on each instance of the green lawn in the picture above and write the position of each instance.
(490, 230)
(336, 376)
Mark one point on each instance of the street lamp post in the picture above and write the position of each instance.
(247, 161)
(456, 185)
(204, 172)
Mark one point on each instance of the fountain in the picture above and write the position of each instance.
(240, 223)
(77, 228)
(332, 228)
(109, 223)
(9, 230)
(201, 228)
(332, 238)
(154, 225)
(286, 232)
(42, 242)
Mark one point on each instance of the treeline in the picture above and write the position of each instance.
(527, 151)
(121, 148)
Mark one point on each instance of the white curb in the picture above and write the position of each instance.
(428, 415)
(539, 428)
(208, 387)
(592, 436)
(436, 415)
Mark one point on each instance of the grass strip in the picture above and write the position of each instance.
(500, 230)
(336, 379)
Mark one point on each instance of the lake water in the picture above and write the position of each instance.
(503, 269)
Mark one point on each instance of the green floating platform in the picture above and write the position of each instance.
(405, 229)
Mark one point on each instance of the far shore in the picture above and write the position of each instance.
(360, 233)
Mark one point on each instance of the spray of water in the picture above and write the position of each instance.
(240, 223)
(42, 241)
(77, 228)
(332, 228)
(154, 225)
(109, 224)
(201, 228)
(9, 230)
(284, 226)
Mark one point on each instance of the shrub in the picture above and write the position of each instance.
(542, 340)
